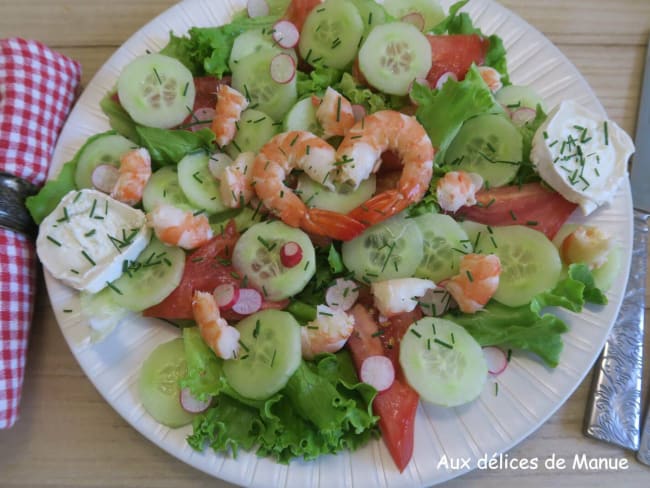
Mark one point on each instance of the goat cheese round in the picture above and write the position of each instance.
(581, 155)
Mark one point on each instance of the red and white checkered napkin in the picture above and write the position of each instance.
(37, 89)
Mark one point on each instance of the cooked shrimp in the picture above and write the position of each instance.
(178, 227)
(222, 338)
(586, 244)
(236, 181)
(359, 155)
(134, 173)
(230, 105)
(477, 281)
(457, 189)
(334, 113)
(399, 295)
(299, 150)
(327, 333)
(491, 77)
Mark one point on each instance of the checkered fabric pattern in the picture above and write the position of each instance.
(37, 89)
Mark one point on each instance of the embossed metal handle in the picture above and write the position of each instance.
(614, 410)
(13, 214)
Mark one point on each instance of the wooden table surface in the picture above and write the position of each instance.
(68, 436)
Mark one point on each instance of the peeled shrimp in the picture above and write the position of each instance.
(399, 295)
(476, 282)
(305, 151)
(236, 181)
(457, 189)
(134, 173)
(230, 105)
(327, 333)
(222, 338)
(491, 77)
(178, 227)
(334, 113)
(359, 155)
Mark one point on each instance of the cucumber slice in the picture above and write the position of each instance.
(489, 145)
(253, 41)
(302, 116)
(156, 91)
(198, 184)
(257, 256)
(255, 129)
(316, 195)
(163, 187)
(445, 242)
(530, 263)
(331, 34)
(270, 353)
(159, 384)
(372, 14)
(390, 249)
(393, 56)
(150, 278)
(442, 362)
(473, 230)
(252, 76)
(430, 10)
(516, 96)
(106, 148)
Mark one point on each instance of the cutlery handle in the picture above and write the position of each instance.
(614, 410)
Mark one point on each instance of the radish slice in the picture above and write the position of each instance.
(192, 404)
(217, 163)
(496, 360)
(419, 81)
(342, 294)
(435, 303)
(283, 68)
(444, 78)
(416, 19)
(257, 8)
(201, 119)
(378, 372)
(523, 115)
(359, 112)
(226, 295)
(286, 34)
(249, 301)
(291, 254)
(104, 177)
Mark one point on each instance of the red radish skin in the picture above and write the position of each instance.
(226, 295)
(201, 119)
(359, 112)
(283, 68)
(523, 115)
(378, 372)
(290, 254)
(496, 360)
(249, 302)
(192, 404)
(257, 8)
(343, 294)
(444, 78)
(104, 177)
(286, 34)
(416, 19)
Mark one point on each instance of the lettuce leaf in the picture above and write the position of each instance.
(362, 95)
(168, 147)
(442, 112)
(118, 118)
(316, 81)
(45, 201)
(525, 327)
(206, 50)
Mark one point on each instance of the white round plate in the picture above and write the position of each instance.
(528, 392)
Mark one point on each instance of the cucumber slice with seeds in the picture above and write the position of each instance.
(257, 256)
(163, 187)
(515, 96)
(156, 91)
(372, 14)
(331, 34)
(198, 184)
(270, 352)
(254, 129)
(393, 56)
(253, 41)
(105, 148)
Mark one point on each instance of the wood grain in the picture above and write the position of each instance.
(68, 436)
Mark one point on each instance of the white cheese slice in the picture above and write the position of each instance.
(581, 155)
(88, 236)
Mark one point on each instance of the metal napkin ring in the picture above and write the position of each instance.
(13, 213)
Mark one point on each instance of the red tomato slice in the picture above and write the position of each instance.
(298, 10)
(205, 269)
(206, 93)
(455, 54)
(396, 406)
(531, 204)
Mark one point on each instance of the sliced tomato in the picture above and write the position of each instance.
(455, 54)
(396, 407)
(298, 10)
(531, 204)
(205, 269)
(206, 94)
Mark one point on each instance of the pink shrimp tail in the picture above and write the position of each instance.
(476, 283)
(380, 207)
(331, 224)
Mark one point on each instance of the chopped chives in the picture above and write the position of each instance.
(380, 332)
(53, 240)
(443, 343)
(469, 275)
(606, 129)
(416, 333)
(114, 288)
(155, 72)
(256, 331)
(244, 347)
(273, 358)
